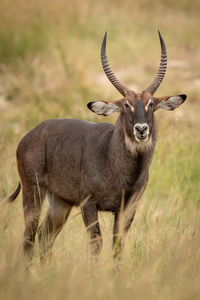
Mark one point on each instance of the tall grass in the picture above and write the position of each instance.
(50, 68)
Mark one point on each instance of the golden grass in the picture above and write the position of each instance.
(50, 68)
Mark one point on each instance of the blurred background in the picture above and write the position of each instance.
(50, 68)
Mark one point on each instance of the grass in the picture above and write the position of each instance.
(50, 68)
(16, 45)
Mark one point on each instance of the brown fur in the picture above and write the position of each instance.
(71, 160)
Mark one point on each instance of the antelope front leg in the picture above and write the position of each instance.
(90, 218)
(120, 229)
(124, 219)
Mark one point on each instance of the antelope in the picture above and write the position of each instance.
(94, 166)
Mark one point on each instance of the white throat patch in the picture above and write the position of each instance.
(134, 146)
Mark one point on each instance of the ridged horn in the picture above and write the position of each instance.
(109, 73)
(162, 69)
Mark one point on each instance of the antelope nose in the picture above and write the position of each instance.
(141, 129)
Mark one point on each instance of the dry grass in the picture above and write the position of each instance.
(50, 68)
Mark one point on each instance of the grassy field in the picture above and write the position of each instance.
(50, 68)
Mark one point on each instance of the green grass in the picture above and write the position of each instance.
(50, 68)
(16, 45)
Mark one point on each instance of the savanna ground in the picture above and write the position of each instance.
(50, 68)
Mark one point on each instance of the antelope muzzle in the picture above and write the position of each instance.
(141, 132)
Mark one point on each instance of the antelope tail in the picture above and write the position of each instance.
(15, 194)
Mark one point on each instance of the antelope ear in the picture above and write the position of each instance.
(103, 108)
(169, 103)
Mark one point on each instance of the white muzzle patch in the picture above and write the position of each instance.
(141, 132)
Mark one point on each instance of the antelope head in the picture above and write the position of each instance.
(137, 109)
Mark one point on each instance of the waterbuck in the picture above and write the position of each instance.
(99, 167)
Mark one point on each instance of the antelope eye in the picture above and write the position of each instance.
(127, 106)
(150, 104)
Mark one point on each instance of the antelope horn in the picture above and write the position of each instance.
(162, 69)
(109, 73)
